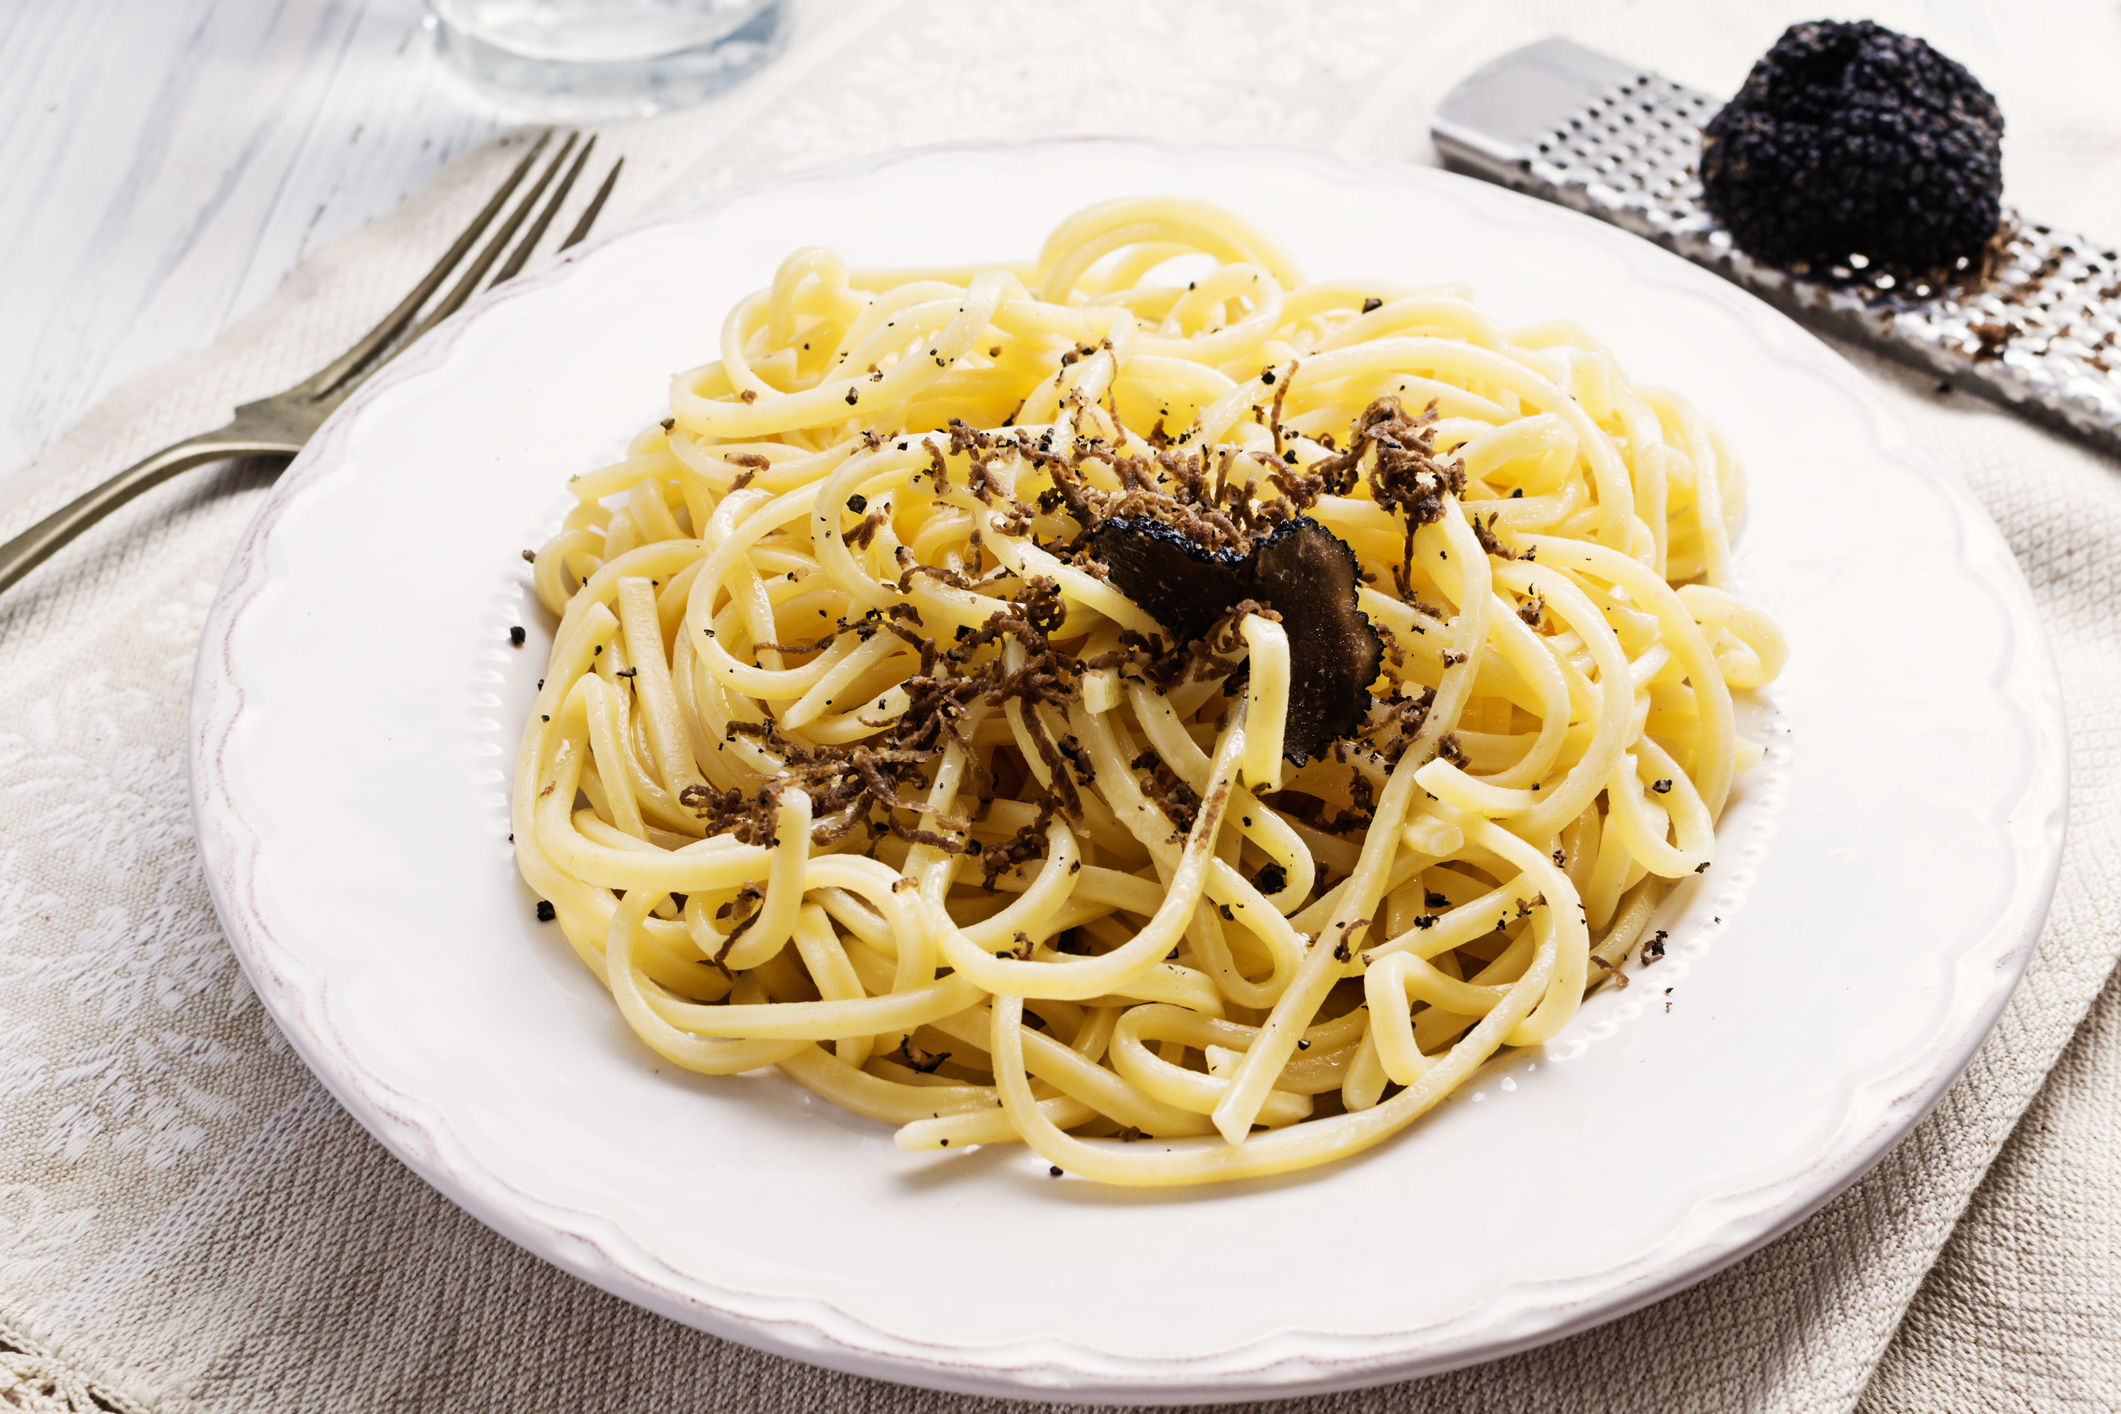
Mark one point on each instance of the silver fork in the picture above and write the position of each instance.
(278, 426)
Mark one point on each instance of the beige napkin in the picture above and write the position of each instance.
(188, 1222)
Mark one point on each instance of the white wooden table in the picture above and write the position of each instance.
(165, 163)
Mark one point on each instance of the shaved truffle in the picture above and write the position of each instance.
(1299, 569)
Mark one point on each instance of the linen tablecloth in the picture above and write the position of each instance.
(187, 1220)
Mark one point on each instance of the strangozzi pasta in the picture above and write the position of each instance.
(873, 746)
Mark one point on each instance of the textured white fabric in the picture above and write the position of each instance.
(188, 1222)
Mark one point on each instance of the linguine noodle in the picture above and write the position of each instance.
(853, 759)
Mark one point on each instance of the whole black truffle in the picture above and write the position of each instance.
(1851, 139)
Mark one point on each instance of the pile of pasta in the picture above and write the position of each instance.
(850, 760)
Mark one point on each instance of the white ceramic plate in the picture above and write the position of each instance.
(1883, 876)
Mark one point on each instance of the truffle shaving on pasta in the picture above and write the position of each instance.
(1138, 703)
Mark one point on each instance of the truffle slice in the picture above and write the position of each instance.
(1307, 574)
(1299, 569)
(1186, 586)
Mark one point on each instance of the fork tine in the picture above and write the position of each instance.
(536, 233)
(468, 283)
(376, 339)
(596, 205)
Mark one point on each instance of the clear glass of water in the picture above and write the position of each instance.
(582, 60)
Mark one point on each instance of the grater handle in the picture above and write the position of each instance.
(1490, 125)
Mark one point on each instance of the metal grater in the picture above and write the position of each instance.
(2039, 330)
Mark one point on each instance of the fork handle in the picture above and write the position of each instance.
(38, 543)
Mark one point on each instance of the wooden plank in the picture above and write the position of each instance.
(166, 165)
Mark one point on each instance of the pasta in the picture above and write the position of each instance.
(853, 758)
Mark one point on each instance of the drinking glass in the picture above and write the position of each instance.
(583, 60)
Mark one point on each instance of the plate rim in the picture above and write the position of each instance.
(1880, 1111)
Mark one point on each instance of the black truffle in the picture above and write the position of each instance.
(1851, 139)
(1183, 584)
(1301, 570)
